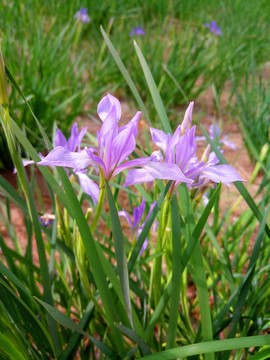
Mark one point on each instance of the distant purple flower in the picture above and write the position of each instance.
(214, 133)
(81, 15)
(137, 30)
(46, 219)
(134, 224)
(214, 28)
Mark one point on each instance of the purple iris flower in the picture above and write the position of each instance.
(81, 15)
(115, 144)
(137, 30)
(180, 149)
(134, 224)
(214, 133)
(46, 219)
(214, 28)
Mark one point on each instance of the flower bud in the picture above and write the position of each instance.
(187, 122)
(206, 153)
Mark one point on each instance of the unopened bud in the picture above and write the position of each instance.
(206, 153)
(187, 122)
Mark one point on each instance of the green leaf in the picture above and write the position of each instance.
(126, 75)
(94, 259)
(134, 337)
(186, 256)
(43, 169)
(245, 288)
(68, 323)
(146, 229)
(239, 185)
(119, 252)
(165, 124)
(15, 84)
(8, 348)
(176, 273)
(261, 355)
(35, 328)
(211, 346)
(13, 195)
(198, 274)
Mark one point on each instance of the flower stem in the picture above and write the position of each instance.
(99, 204)
(157, 268)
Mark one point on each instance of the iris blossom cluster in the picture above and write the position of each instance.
(180, 149)
(115, 145)
(176, 160)
(134, 224)
(214, 28)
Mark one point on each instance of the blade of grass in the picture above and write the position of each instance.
(35, 323)
(126, 75)
(198, 274)
(210, 346)
(165, 124)
(240, 187)
(176, 274)
(120, 253)
(43, 169)
(186, 256)
(244, 290)
(134, 337)
(146, 229)
(70, 324)
(261, 355)
(13, 195)
(17, 87)
(94, 259)
(8, 348)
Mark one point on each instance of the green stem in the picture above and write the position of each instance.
(157, 266)
(99, 204)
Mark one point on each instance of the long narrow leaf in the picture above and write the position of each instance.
(94, 259)
(154, 91)
(239, 185)
(146, 229)
(120, 252)
(210, 346)
(8, 348)
(68, 323)
(126, 75)
(186, 256)
(176, 273)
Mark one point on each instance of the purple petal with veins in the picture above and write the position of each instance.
(160, 138)
(62, 157)
(105, 105)
(138, 213)
(127, 217)
(132, 163)
(89, 186)
(221, 173)
(186, 148)
(124, 143)
(229, 144)
(137, 176)
(60, 139)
